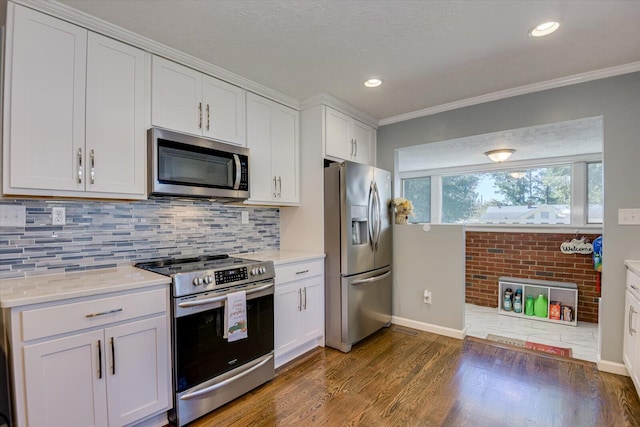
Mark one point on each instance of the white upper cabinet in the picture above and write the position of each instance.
(75, 109)
(348, 139)
(274, 165)
(116, 123)
(188, 101)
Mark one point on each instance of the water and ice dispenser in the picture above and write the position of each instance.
(359, 225)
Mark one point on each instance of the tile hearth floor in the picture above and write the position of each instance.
(583, 339)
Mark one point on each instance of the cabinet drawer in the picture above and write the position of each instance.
(62, 318)
(633, 283)
(299, 270)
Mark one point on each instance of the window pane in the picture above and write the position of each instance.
(418, 190)
(594, 193)
(530, 196)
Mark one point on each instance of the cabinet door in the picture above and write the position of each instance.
(285, 153)
(176, 97)
(138, 370)
(223, 111)
(45, 86)
(364, 140)
(261, 180)
(338, 140)
(288, 305)
(65, 381)
(313, 308)
(116, 124)
(631, 343)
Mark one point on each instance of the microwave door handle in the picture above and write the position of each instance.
(236, 184)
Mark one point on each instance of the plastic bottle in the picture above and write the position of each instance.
(541, 306)
(528, 306)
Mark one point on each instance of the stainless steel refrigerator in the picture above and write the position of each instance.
(358, 248)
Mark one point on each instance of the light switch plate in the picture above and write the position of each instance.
(13, 216)
(629, 216)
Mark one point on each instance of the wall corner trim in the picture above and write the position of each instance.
(428, 327)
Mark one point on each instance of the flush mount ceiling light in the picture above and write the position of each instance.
(517, 174)
(500, 155)
(373, 83)
(544, 29)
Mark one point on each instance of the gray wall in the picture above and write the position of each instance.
(432, 261)
(103, 234)
(617, 99)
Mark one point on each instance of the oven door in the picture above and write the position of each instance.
(209, 371)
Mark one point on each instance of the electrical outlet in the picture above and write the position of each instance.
(427, 297)
(13, 216)
(245, 217)
(58, 216)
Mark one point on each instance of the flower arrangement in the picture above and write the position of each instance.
(404, 209)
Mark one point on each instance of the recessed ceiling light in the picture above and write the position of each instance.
(544, 29)
(373, 83)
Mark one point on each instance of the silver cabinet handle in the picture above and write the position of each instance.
(371, 279)
(299, 300)
(115, 310)
(208, 118)
(79, 165)
(199, 115)
(631, 313)
(275, 188)
(304, 290)
(113, 357)
(353, 150)
(302, 272)
(279, 186)
(93, 167)
(99, 359)
(214, 387)
(356, 145)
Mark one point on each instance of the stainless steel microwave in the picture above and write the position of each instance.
(186, 165)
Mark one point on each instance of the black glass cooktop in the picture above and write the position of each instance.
(173, 266)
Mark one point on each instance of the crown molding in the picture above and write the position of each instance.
(521, 90)
(108, 29)
(324, 98)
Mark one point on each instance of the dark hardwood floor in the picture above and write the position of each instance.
(396, 379)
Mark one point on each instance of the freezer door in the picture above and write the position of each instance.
(356, 186)
(366, 304)
(384, 242)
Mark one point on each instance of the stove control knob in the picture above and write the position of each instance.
(262, 270)
(197, 281)
(254, 271)
(207, 279)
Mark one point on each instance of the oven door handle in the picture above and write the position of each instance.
(188, 304)
(209, 389)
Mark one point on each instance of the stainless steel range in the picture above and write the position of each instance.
(208, 370)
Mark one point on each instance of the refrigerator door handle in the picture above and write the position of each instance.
(370, 215)
(371, 279)
(378, 211)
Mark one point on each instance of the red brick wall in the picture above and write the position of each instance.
(490, 255)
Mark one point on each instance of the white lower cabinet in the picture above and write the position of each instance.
(299, 309)
(631, 343)
(110, 368)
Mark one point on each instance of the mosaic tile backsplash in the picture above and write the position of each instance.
(105, 234)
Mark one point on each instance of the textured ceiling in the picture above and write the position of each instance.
(428, 53)
(568, 138)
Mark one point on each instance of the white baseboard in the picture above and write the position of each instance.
(612, 367)
(428, 327)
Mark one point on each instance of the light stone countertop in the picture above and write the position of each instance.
(281, 257)
(56, 287)
(633, 265)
